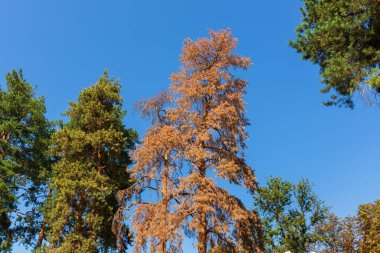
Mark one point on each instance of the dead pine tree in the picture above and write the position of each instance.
(198, 134)
(155, 223)
(210, 111)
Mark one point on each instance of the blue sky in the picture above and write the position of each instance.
(64, 46)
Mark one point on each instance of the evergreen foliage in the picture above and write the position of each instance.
(24, 161)
(93, 149)
(343, 38)
(70, 188)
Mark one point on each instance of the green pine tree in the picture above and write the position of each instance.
(94, 149)
(24, 163)
(343, 38)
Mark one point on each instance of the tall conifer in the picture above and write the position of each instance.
(24, 162)
(93, 146)
(199, 137)
(157, 168)
(211, 113)
(343, 38)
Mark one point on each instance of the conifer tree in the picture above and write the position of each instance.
(93, 148)
(210, 111)
(24, 162)
(200, 135)
(343, 38)
(156, 221)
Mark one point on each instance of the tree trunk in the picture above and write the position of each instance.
(6, 137)
(202, 235)
(41, 234)
(259, 230)
(165, 200)
(202, 231)
(100, 171)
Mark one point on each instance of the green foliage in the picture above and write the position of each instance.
(93, 148)
(24, 162)
(290, 214)
(343, 38)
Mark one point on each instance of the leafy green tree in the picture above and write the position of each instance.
(343, 38)
(93, 147)
(24, 162)
(290, 214)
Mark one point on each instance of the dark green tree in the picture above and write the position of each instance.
(93, 147)
(290, 214)
(343, 38)
(24, 161)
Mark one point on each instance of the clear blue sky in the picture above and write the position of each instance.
(63, 46)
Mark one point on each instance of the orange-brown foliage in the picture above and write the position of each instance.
(198, 134)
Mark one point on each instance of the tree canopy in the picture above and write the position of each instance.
(24, 160)
(198, 130)
(87, 184)
(369, 226)
(93, 147)
(291, 215)
(343, 38)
